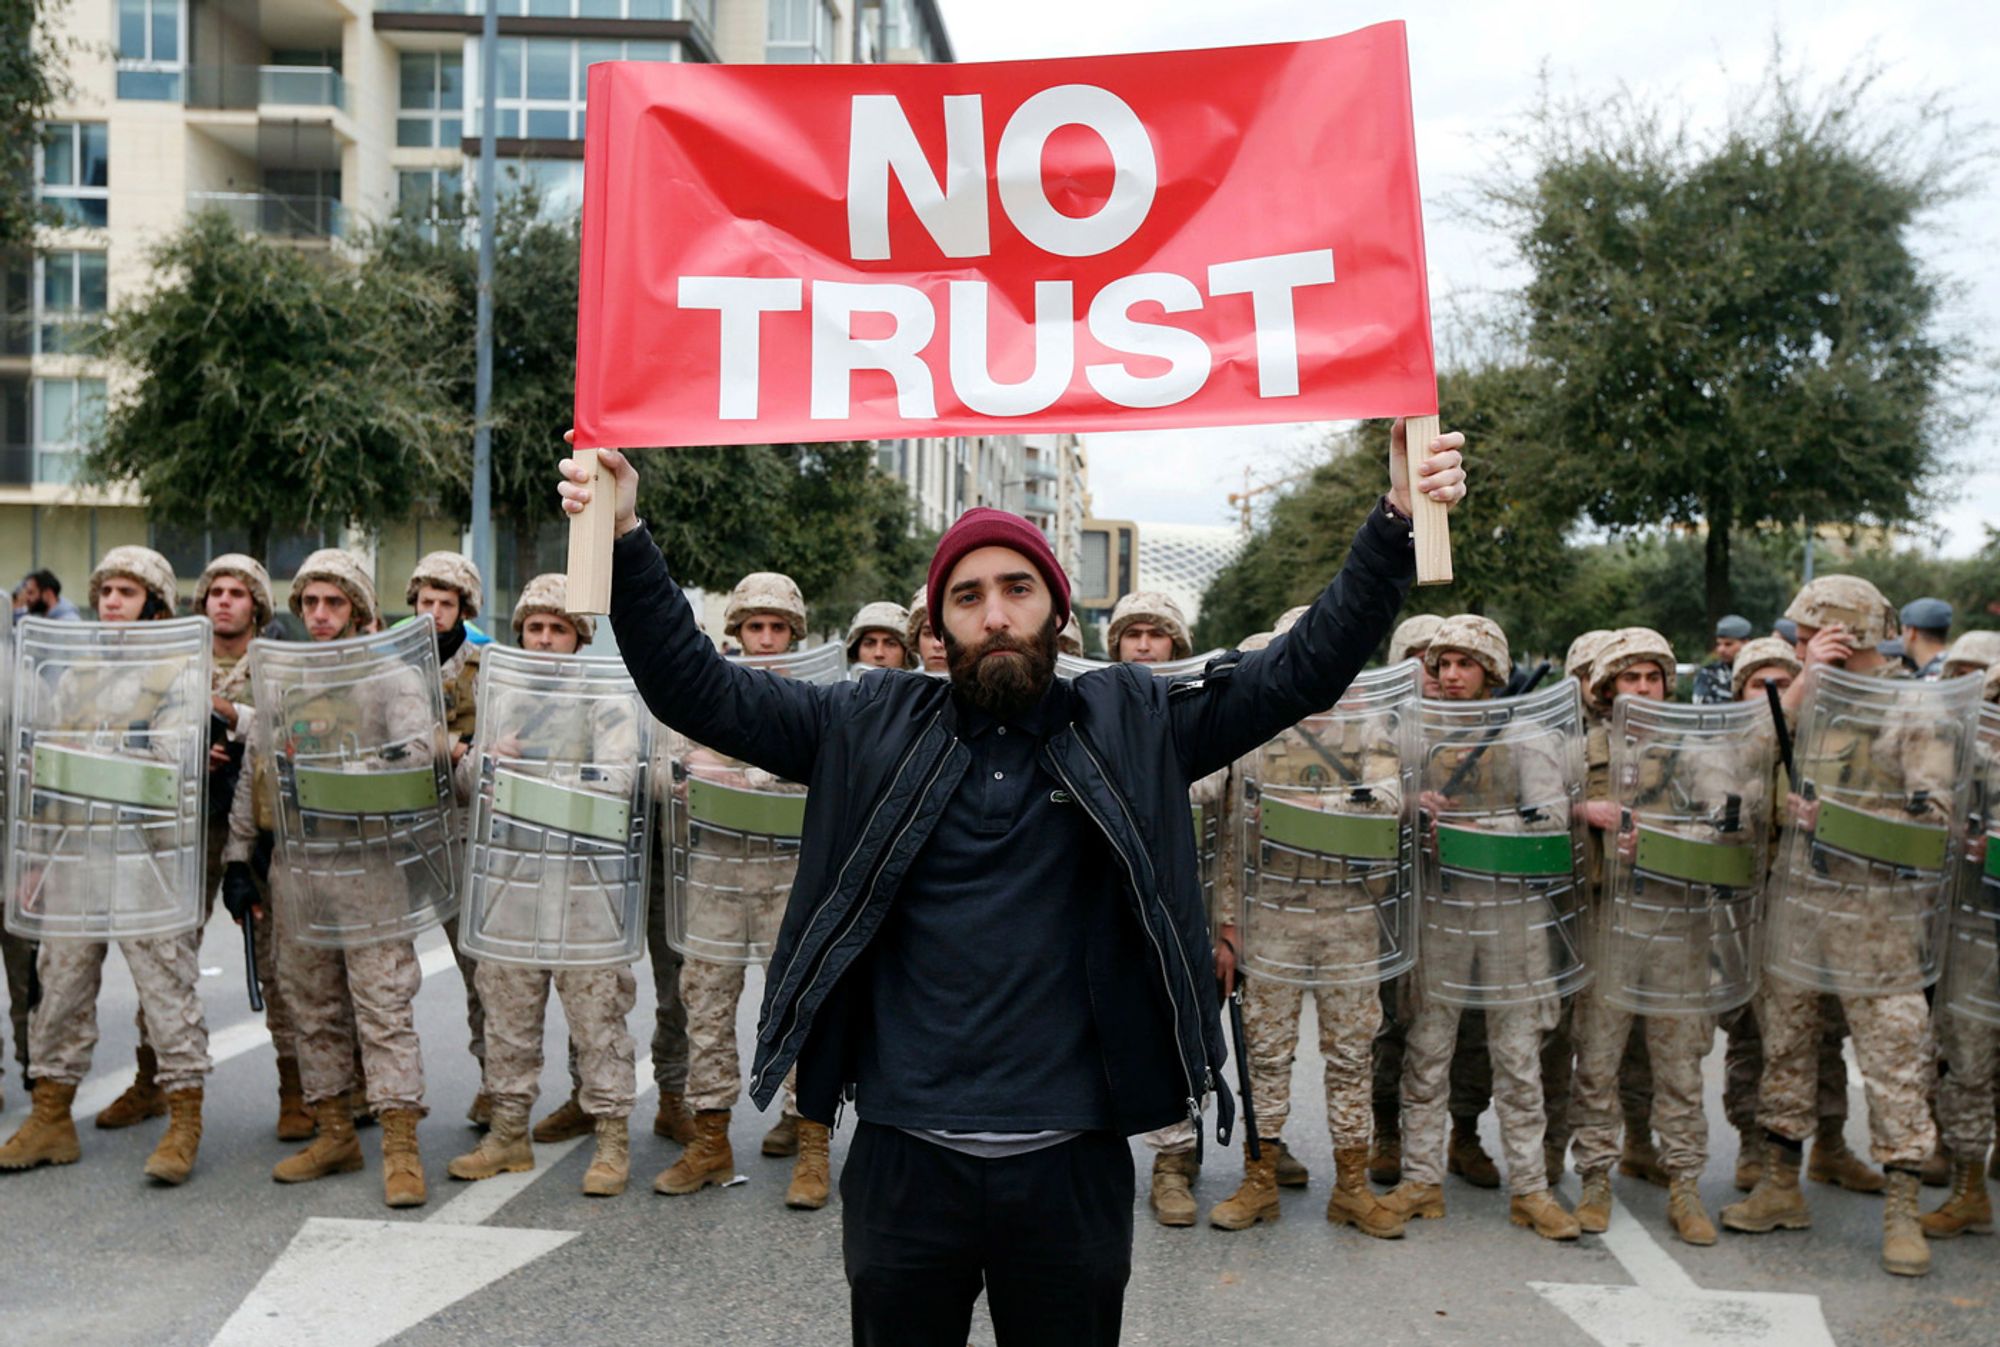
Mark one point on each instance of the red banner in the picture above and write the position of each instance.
(812, 253)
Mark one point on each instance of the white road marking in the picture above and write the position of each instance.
(1667, 1309)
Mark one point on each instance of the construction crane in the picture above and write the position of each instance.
(1242, 499)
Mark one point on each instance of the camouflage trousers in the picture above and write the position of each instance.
(596, 1003)
(344, 999)
(1348, 1019)
(1675, 1046)
(1471, 1070)
(1514, 1043)
(63, 1029)
(1743, 1069)
(715, 1072)
(1173, 1139)
(1965, 1095)
(475, 1008)
(277, 1012)
(1892, 1039)
(18, 957)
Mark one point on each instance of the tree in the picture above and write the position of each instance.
(33, 79)
(275, 389)
(1737, 331)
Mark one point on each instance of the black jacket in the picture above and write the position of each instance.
(881, 757)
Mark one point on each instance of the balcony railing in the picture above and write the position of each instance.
(281, 216)
(1036, 503)
(701, 12)
(251, 86)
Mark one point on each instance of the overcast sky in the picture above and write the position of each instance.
(1474, 66)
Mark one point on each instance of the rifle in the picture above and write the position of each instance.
(1242, 1046)
(1464, 768)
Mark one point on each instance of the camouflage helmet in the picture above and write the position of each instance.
(1582, 654)
(1257, 640)
(254, 577)
(1758, 654)
(1289, 619)
(448, 570)
(1069, 640)
(920, 613)
(1622, 650)
(345, 570)
(1475, 636)
(1852, 602)
(1151, 606)
(1412, 635)
(1973, 650)
(881, 615)
(549, 593)
(143, 565)
(765, 592)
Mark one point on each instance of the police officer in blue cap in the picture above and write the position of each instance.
(1926, 632)
(1711, 681)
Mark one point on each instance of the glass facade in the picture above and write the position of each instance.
(76, 172)
(430, 107)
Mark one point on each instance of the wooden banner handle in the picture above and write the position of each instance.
(1432, 524)
(591, 531)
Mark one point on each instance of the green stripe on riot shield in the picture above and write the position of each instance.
(736, 810)
(1693, 861)
(1361, 836)
(1199, 821)
(546, 805)
(1993, 855)
(1914, 846)
(1504, 853)
(405, 792)
(97, 776)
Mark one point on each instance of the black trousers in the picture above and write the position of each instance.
(1048, 1235)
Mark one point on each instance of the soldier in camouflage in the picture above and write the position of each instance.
(926, 644)
(596, 1001)
(876, 637)
(1711, 680)
(130, 584)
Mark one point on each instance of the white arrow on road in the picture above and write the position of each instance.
(1667, 1309)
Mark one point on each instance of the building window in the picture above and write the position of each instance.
(540, 84)
(431, 109)
(69, 413)
(430, 197)
(800, 32)
(17, 304)
(72, 301)
(150, 43)
(17, 454)
(76, 172)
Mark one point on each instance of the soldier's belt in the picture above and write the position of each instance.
(1914, 846)
(1373, 837)
(1504, 853)
(546, 805)
(102, 776)
(733, 809)
(1724, 864)
(402, 792)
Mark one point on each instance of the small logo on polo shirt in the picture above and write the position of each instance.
(1059, 797)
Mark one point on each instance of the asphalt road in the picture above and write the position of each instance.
(95, 1255)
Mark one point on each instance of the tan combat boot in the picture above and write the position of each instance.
(1970, 1206)
(142, 1098)
(567, 1121)
(480, 1112)
(1641, 1159)
(358, 1110)
(810, 1172)
(673, 1120)
(1354, 1203)
(1257, 1199)
(1174, 1174)
(783, 1138)
(611, 1162)
(1291, 1171)
(1593, 1205)
(1468, 1159)
(1832, 1162)
(1413, 1201)
(1686, 1214)
(173, 1159)
(1749, 1159)
(295, 1120)
(1385, 1159)
(1543, 1214)
(402, 1165)
(48, 1137)
(706, 1160)
(1904, 1251)
(1776, 1202)
(333, 1151)
(1936, 1171)
(503, 1150)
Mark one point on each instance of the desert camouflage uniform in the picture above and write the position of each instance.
(1972, 1046)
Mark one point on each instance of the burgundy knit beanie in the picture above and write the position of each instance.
(994, 528)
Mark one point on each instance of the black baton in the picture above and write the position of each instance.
(1235, 999)
(250, 963)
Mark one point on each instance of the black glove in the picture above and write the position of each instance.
(239, 890)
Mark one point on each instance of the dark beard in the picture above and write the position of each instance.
(1006, 687)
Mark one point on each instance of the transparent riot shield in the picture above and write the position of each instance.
(1858, 900)
(354, 737)
(1676, 931)
(1076, 666)
(108, 771)
(1500, 855)
(561, 813)
(1329, 851)
(1972, 964)
(733, 834)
